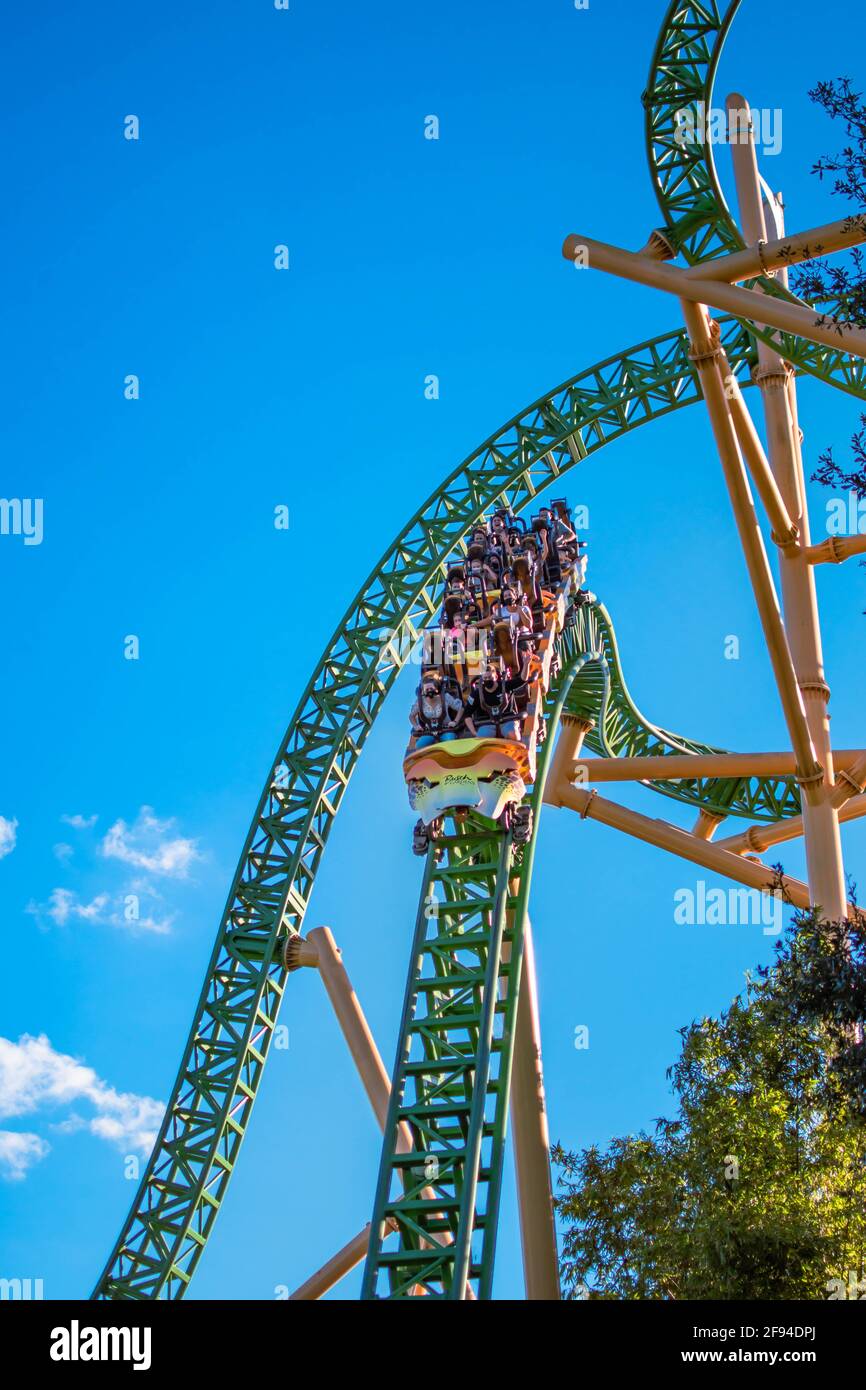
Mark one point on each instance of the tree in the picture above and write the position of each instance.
(757, 1188)
(842, 285)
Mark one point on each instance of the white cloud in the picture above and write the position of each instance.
(18, 1152)
(64, 906)
(63, 852)
(79, 822)
(34, 1076)
(147, 845)
(161, 926)
(8, 836)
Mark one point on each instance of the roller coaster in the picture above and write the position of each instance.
(469, 1042)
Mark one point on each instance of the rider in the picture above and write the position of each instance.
(558, 528)
(516, 612)
(436, 715)
(492, 709)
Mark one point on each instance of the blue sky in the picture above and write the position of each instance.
(306, 388)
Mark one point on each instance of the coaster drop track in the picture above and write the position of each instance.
(452, 1079)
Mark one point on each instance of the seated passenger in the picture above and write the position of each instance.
(455, 580)
(516, 612)
(452, 608)
(497, 538)
(551, 562)
(530, 549)
(527, 582)
(436, 715)
(477, 539)
(580, 563)
(480, 576)
(512, 609)
(517, 658)
(494, 559)
(559, 529)
(540, 532)
(463, 649)
(491, 711)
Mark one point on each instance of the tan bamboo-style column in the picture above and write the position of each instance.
(799, 599)
(850, 781)
(572, 732)
(335, 1269)
(356, 1031)
(760, 837)
(706, 824)
(784, 530)
(320, 950)
(674, 767)
(780, 314)
(531, 1141)
(704, 338)
(781, 252)
(834, 550)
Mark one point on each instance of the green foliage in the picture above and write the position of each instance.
(843, 282)
(757, 1189)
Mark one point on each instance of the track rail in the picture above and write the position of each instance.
(450, 1082)
(451, 1079)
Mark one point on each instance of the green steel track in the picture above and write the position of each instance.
(211, 1102)
(451, 1078)
(452, 1074)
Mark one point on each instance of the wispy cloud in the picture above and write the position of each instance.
(147, 844)
(8, 835)
(79, 822)
(64, 906)
(35, 1077)
(18, 1152)
(150, 847)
